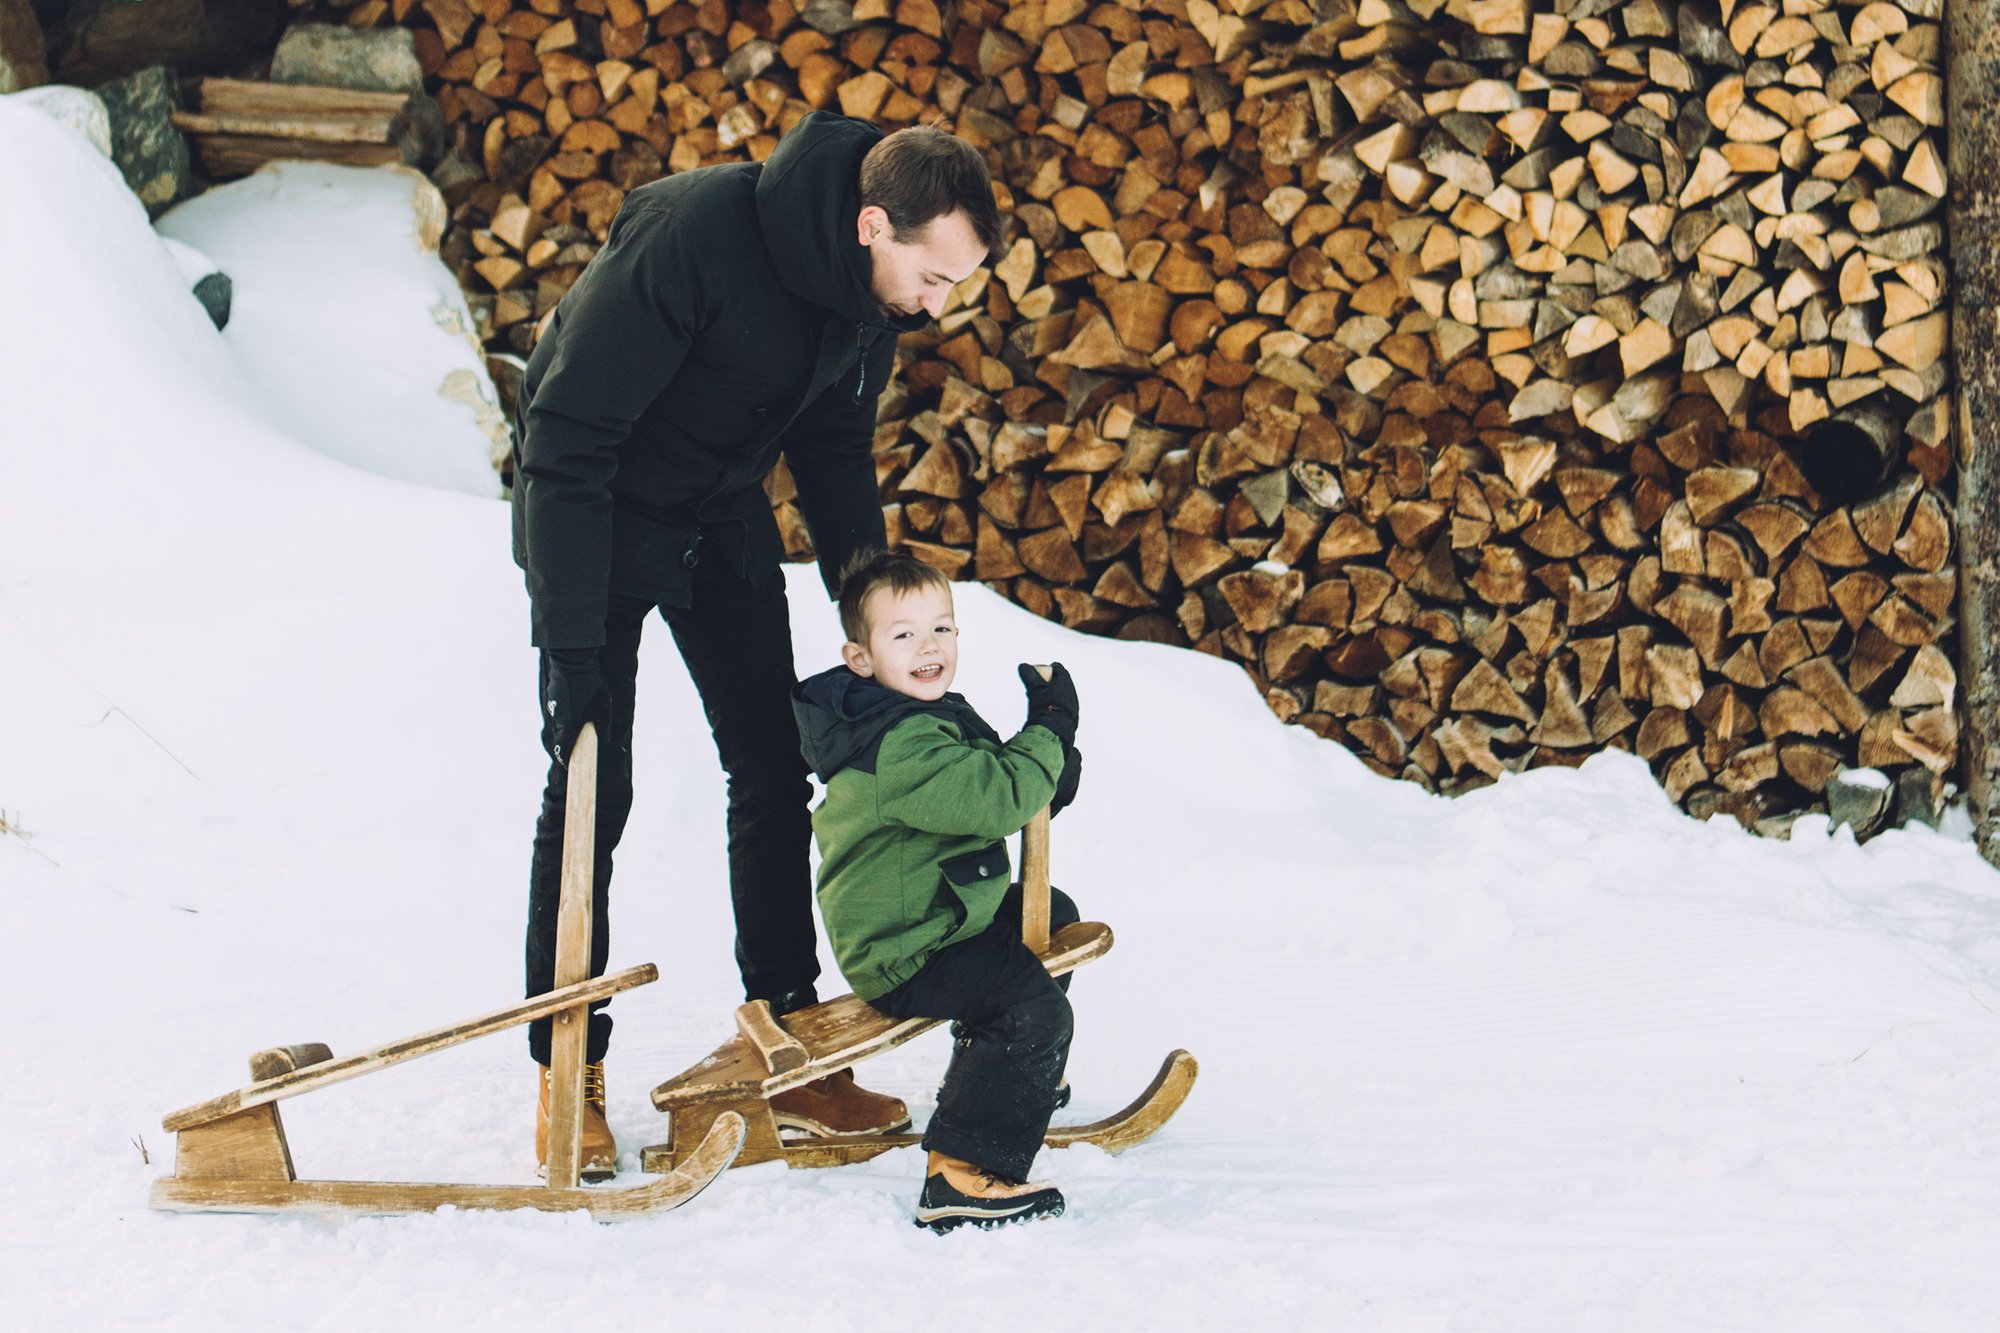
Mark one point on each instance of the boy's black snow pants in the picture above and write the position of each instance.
(737, 643)
(1014, 1027)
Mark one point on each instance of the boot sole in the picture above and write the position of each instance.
(799, 1124)
(952, 1217)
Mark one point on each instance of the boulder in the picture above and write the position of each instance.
(78, 108)
(144, 143)
(1920, 796)
(90, 41)
(210, 285)
(1859, 798)
(23, 58)
(379, 60)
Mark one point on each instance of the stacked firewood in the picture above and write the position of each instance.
(237, 126)
(1497, 386)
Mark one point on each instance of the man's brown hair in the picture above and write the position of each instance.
(872, 570)
(920, 174)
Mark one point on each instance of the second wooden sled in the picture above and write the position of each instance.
(769, 1055)
(231, 1154)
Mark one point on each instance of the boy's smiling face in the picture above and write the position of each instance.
(912, 643)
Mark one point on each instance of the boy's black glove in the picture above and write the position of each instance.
(1052, 702)
(1066, 782)
(573, 693)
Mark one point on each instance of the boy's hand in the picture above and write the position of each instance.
(1067, 781)
(1052, 703)
(573, 693)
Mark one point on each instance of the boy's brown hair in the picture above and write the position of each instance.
(873, 570)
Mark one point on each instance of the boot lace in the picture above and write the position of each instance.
(593, 1085)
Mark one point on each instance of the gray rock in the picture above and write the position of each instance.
(24, 61)
(1859, 798)
(214, 292)
(1919, 796)
(380, 60)
(90, 41)
(78, 108)
(210, 285)
(423, 132)
(144, 143)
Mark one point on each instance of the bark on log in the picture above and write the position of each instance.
(1973, 79)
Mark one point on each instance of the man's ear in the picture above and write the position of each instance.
(871, 225)
(856, 658)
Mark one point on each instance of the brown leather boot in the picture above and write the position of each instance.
(599, 1150)
(837, 1107)
(958, 1193)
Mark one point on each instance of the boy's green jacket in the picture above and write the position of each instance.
(919, 796)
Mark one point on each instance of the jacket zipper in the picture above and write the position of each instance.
(861, 385)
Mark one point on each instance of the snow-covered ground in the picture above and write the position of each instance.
(1547, 1057)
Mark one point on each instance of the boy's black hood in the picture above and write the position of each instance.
(843, 718)
(808, 195)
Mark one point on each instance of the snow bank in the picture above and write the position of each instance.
(323, 258)
(1547, 1057)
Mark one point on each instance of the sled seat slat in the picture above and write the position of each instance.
(321, 1073)
(839, 1033)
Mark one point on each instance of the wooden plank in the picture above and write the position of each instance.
(843, 1032)
(570, 1031)
(1035, 881)
(409, 1048)
(1142, 1117)
(245, 97)
(1139, 1120)
(703, 1165)
(226, 155)
(777, 1048)
(249, 1145)
(308, 129)
(1035, 874)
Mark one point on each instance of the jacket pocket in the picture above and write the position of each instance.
(971, 870)
(653, 556)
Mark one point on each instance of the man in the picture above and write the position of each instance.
(736, 313)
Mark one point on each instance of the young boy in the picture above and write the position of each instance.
(913, 880)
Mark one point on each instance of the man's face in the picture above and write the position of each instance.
(912, 643)
(919, 276)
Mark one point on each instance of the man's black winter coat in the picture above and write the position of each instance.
(728, 319)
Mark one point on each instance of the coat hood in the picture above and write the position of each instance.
(808, 195)
(843, 718)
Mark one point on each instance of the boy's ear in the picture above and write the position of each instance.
(856, 658)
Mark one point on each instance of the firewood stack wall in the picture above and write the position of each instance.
(1497, 384)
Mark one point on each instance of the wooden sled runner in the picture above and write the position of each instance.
(769, 1055)
(231, 1155)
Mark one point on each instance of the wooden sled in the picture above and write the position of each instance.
(231, 1155)
(769, 1055)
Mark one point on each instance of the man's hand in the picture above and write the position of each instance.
(1067, 781)
(573, 693)
(1052, 703)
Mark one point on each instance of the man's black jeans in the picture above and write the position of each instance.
(1014, 1027)
(737, 643)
